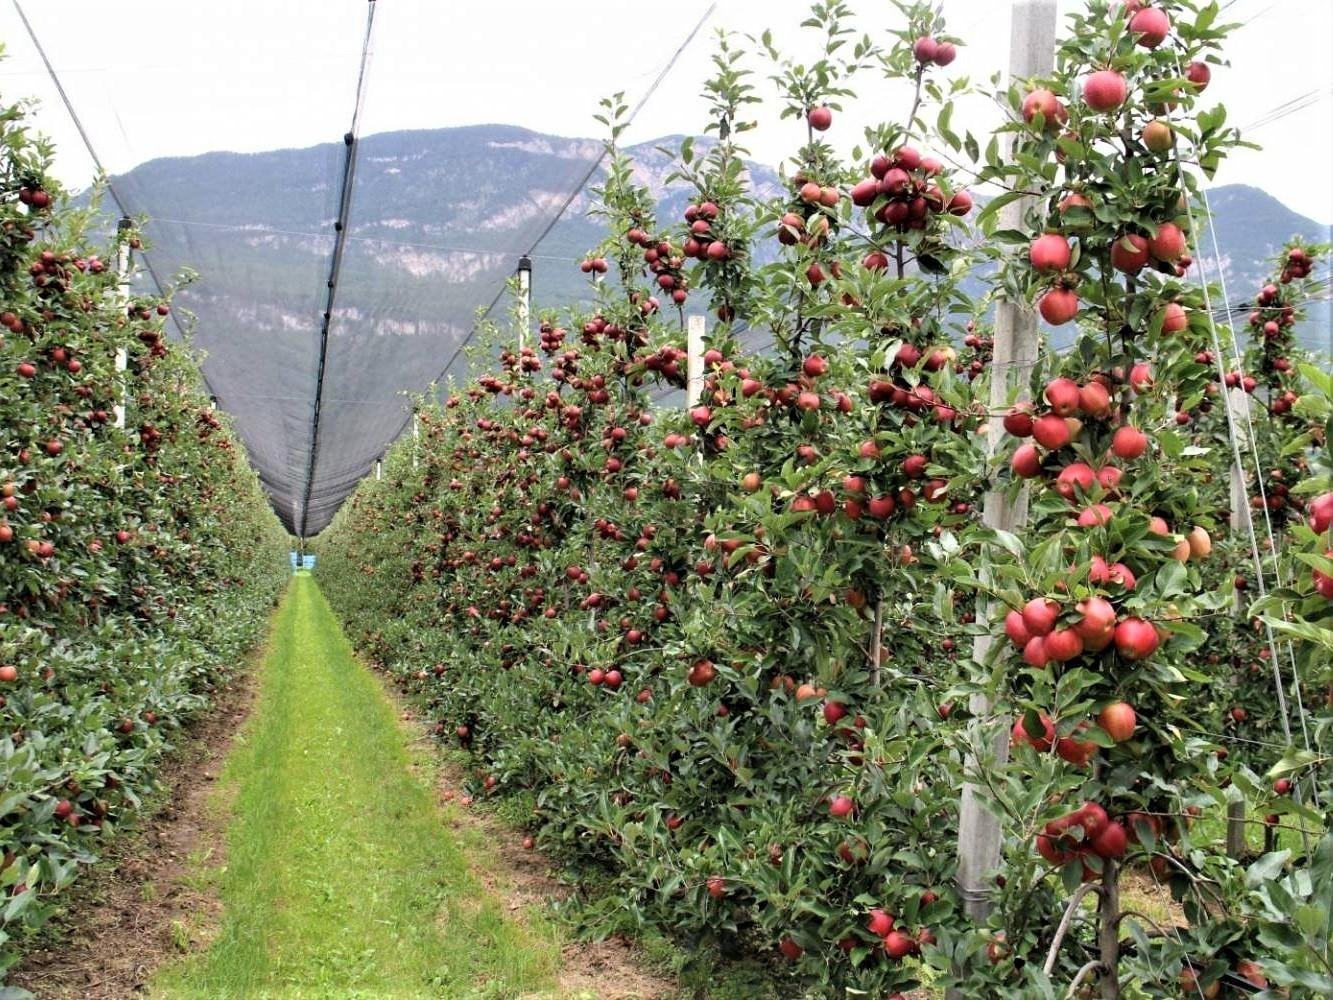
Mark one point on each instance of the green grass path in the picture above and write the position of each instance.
(342, 877)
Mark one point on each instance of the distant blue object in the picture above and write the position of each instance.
(295, 559)
(309, 562)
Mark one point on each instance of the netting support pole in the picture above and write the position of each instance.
(379, 470)
(416, 438)
(524, 300)
(695, 328)
(1031, 53)
(1239, 404)
(123, 297)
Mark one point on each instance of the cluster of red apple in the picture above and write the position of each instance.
(525, 360)
(150, 334)
(1052, 254)
(928, 49)
(1057, 427)
(1086, 830)
(594, 265)
(1299, 264)
(1105, 90)
(1118, 720)
(897, 942)
(667, 361)
(1034, 628)
(805, 223)
(34, 196)
(902, 185)
(1272, 316)
(1271, 323)
(551, 338)
(664, 263)
(597, 328)
(983, 351)
(702, 243)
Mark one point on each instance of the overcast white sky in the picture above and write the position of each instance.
(156, 78)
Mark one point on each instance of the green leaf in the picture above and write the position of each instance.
(1266, 868)
(995, 204)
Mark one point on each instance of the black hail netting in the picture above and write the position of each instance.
(405, 298)
(438, 217)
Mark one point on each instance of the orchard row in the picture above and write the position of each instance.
(138, 556)
(732, 662)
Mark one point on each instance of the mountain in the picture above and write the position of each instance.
(1251, 227)
(438, 221)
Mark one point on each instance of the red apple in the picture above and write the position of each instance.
(1034, 653)
(1141, 377)
(1119, 720)
(1321, 513)
(1174, 318)
(1129, 253)
(1040, 743)
(1050, 253)
(1158, 136)
(1039, 615)
(1058, 306)
(1063, 395)
(1136, 639)
(1151, 26)
(1097, 626)
(1128, 442)
(1095, 400)
(1045, 103)
(881, 507)
(898, 945)
(1063, 645)
(1105, 90)
(1050, 431)
(880, 923)
(814, 366)
(1110, 841)
(1095, 516)
(1075, 478)
(1018, 422)
(1168, 243)
(1016, 629)
(1026, 461)
(925, 49)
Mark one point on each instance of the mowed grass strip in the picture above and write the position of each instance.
(342, 878)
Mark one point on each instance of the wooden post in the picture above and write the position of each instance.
(524, 300)
(694, 359)
(1031, 53)
(123, 297)
(1238, 402)
(1108, 929)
